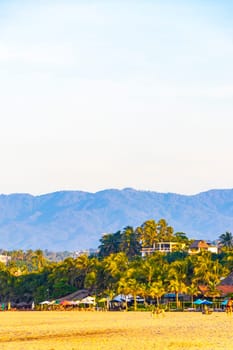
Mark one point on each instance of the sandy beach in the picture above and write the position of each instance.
(115, 330)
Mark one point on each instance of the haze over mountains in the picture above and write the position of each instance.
(74, 220)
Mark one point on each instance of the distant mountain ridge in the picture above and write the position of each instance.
(74, 220)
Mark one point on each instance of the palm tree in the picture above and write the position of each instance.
(226, 240)
(110, 244)
(177, 275)
(92, 275)
(70, 271)
(113, 268)
(143, 291)
(176, 286)
(123, 287)
(206, 270)
(152, 268)
(178, 269)
(165, 232)
(156, 290)
(83, 265)
(182, 240)
(130, 242)
(228, 261)
(148, 233)
(193, 290)
(203, 268)
(134, 288)
(38, 259)
(181, 237)
(212, 290)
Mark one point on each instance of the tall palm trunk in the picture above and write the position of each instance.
(135, 301)
(177, 300)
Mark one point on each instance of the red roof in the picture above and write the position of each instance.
(223, 289)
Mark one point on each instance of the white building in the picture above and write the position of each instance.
(163, 247)
(5, 259)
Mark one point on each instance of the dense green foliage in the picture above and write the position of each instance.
(117, 268)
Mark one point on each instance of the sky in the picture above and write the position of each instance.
(113, 94)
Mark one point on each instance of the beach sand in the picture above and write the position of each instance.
(88, 330)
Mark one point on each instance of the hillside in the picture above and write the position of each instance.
(73, 220)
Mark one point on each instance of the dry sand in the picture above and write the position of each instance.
(75, 330)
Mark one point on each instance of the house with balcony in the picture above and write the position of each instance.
(162, 247)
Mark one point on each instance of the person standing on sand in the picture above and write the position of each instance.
(229, 306)
(157, 311)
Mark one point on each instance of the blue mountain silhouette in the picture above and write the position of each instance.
(74, 220)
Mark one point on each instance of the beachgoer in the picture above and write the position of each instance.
(229, 306)
(158, 311)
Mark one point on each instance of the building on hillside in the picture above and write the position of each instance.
(200, 245)
(163, 247)
(168, 247)
(88, 252)
(213, 248)
(5, 259)
(227, 281)
(226, 285)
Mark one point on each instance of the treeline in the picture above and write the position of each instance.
(117, 268)
(131, 241)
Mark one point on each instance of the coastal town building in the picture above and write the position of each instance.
(163, 247)
(195, 247)
(4, 259)
(199, 246)
(225, 287)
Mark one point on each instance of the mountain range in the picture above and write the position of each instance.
(75, 220)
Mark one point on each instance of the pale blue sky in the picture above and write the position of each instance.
(113, 94)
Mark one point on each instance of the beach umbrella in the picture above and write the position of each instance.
(87, 300)
(206, 302)
(119, 298)
(46, 302)
(66, 303)
(198, 302)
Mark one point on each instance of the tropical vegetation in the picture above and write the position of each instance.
(118, 268)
